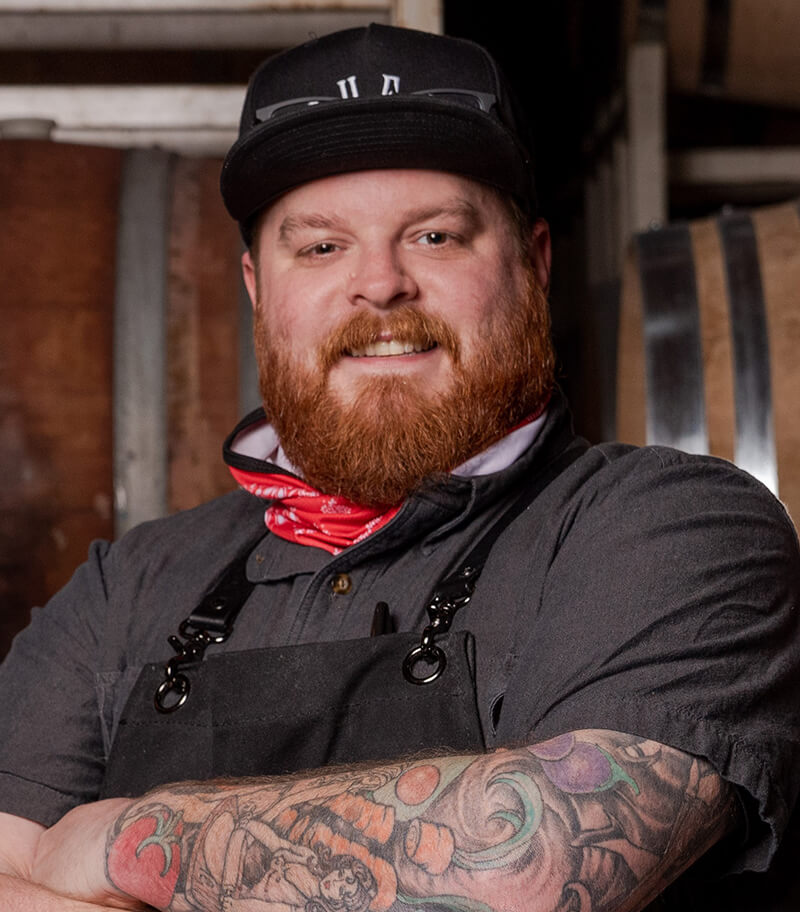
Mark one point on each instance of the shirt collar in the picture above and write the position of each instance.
(426, 517)
(259, 441)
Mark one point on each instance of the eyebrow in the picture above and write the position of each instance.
(292, 223)
(457, 208)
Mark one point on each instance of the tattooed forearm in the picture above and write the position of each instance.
(586, 821)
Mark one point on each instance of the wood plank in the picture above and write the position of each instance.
(619, 158)
(186, 142)
(272, 29)
(715, 338)
(761, 165)
(631, 411)
(686, 36)
(55, 366)
(778, 232)
(198, 120)
(426, 15)
(129, 107)
(202, 334)
(150, 6)
(762, 57)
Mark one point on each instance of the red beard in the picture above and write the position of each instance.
(394, 435)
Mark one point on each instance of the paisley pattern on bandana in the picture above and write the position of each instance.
(301, 514)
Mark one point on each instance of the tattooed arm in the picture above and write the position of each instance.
(591, 820)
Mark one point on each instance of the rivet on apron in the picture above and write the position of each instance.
(341, 584)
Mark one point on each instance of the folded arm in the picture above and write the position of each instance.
(590, 820)
(18, 843)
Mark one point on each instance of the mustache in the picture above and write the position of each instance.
(406, 323)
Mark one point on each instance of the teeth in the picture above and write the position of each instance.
(385, 349)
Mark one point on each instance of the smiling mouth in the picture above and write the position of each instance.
(388, 349)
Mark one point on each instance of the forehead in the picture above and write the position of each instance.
(387, 195)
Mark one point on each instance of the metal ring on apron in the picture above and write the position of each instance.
(433, 655)
(179, 684)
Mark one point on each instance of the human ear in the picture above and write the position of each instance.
(250, 278)
(540, 252)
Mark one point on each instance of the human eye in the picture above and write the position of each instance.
(435, 238)
(319, 249)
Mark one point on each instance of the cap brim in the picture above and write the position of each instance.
(362, 135)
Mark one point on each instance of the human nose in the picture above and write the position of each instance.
(380, 279)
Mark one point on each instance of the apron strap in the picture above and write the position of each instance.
(211, 622)
(425, 662)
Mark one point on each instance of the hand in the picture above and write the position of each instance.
(296, 855)
(71, 856)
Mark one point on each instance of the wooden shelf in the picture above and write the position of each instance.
(193, 119)
(728, 166)
(178, 29)
(190, 119)
(118, 24)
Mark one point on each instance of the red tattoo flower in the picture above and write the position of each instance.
(145, 858)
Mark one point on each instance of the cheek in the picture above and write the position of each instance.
(475, 313)
(468, 296)
(293, 331)
(301, 314)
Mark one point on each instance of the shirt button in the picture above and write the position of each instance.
(341, 584)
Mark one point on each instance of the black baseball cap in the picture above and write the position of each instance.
(376, 97)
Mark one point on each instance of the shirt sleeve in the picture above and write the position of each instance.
(669, 611)
(51, 746)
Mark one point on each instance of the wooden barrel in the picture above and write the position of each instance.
(709, 336)
(121, 319)
(741, 49)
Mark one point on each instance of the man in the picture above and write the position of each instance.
(583, 668)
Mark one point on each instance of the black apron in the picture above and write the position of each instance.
(269, 711)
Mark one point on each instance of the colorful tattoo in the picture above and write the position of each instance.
(145, 857)
(588, 821)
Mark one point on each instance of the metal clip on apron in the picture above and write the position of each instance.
(451, 595)
(210, 623)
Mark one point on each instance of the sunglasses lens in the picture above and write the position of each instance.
(463, 99)
(292, 106)
(478, 101)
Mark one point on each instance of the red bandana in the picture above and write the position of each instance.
(306, 516)
(302, 514)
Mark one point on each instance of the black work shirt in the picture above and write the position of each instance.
(644, 591)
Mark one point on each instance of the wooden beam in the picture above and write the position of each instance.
(426, 15)
(164, 28)
(112, 7)
(131, 107)
(736, 166)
